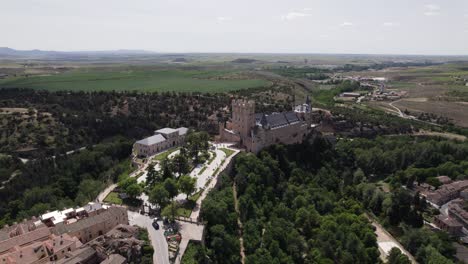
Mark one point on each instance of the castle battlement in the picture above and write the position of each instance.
(243, 103)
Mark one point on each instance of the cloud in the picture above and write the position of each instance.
(223, 18)
(390, 24)
(294, 15)
(346, 24)
(431, 10)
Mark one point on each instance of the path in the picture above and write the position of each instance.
(386, 242)
(239, 223)
(195, 234)
(398, 111)
(106, 192)
(196, 209)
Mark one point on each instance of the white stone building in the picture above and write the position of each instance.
(162, 139)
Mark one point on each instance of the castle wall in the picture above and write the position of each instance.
(243, 129)
(291, 134)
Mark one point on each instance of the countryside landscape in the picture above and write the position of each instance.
(247, 132)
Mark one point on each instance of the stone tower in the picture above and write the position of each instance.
(243, 117)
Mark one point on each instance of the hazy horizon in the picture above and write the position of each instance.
(366, 27)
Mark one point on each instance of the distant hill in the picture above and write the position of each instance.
(9, 52)
(241, 60)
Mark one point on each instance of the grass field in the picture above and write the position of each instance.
(140, 79)
(113, 198)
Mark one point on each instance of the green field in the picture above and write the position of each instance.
(134, 80)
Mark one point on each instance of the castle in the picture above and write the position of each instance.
(255, 131)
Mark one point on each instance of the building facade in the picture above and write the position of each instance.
(162, 139)
(255, 131)
(59, 235)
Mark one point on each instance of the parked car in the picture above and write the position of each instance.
(155, 225)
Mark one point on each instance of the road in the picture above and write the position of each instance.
(158, 241)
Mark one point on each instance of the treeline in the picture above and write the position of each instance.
(90, 117)
(64, 181)
(383, 65)
(303, 72)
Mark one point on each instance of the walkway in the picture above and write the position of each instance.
(239, 223)
(196, 209)
(196, 234)
(386, 242)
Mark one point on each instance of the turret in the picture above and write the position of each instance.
(243, 116)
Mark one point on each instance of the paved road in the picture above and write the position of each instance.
(158, 241)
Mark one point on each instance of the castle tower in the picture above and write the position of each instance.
(243, 117)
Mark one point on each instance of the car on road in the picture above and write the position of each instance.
(155, 225)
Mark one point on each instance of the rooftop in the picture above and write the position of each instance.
(277, 120)
(182, 130)
(151, 140)
(87, 222)
(166, 130)
(449, 221)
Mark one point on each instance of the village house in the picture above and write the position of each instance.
(448, 224)
(446, 192)
(57, 235)
(456, 211)
(162, 139)
(255, 131)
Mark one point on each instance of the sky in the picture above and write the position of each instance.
(433, 27)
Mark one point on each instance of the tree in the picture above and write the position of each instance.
(187, 184)
(152, 176)
(124, 183)
(396, 257)
(133, 190)
(180, 164)
(358, 176)
(166, 169)
(159, 195)
(197, 143)
(172, 189)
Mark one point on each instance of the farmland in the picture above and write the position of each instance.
(439, 90)
(138, 79)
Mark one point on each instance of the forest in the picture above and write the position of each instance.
(311, 203)
(46, 184)
(78, 119)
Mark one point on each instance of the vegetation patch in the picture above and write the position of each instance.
(228, 152)
(113, 198)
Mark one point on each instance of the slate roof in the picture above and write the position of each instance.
(152, 140)
(291, 117)
(258, 117)
(182, 130)
(166, 130)
(276, 120)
